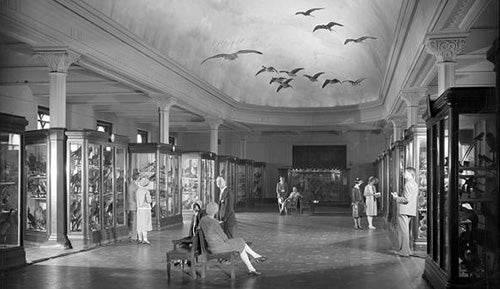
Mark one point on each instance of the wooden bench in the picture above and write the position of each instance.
(184, 254)
(206, 256)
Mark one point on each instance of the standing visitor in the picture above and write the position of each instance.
(357, 203)
(144, 223)
(371, 204)
(226, 207)
(131, 207)
(281, 193)
(407, 205)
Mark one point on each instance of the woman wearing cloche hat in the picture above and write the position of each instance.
(144, 223)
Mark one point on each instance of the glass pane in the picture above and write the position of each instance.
(120, 185)
(176, 190)
(75, 187)
(36, 187)
(421, 163)
(257, 182)
(190, 182)
(107, 188)
(94, 187)
(163, 186)
(445, 196)
(145, 165)
(242, 185)
(10, 159)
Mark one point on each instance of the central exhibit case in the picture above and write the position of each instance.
(198, 178)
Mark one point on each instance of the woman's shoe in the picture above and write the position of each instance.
(254, 273)
(261, 259)
(372, 228)
(146, 242)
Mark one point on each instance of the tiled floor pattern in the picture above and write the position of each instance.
(304, 252)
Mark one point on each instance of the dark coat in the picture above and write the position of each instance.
(226, 207)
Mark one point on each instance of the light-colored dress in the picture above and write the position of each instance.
(217, 240)
(144, 222)
(371, 203)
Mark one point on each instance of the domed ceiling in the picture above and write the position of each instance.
(204, 36)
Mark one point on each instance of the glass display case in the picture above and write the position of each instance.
(36, 166)
(324, 185)
(11, 177)
(96, 182)
(198, 178)
(397, 180)
(160, 163)
(244, 171)
(416, 157)
(462, 194)
(227, 169)
(258, 180)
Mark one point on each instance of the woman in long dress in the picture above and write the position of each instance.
(144, 223)
(370, 194)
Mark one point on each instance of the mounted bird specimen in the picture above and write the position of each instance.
(6, 224)
(327, 26)
(308, 12)
(284, 84)
(354, 82)
(266, 69)
(231, 56)
(277, 79)
(314, 77)
(358, 40)
(331, 81)
(293, 72)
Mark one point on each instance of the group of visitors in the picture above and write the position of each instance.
(361, 207)
(284, 199)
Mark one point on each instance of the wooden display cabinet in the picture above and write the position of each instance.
(462, 247)
(198, 178)
(227, 169)
(259, 173)
(244, 183)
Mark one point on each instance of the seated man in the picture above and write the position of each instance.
(218, 241)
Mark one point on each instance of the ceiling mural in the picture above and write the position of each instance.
(280, 53)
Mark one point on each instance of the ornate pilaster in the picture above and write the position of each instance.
(164, 103)
(445, 47)
(398, 125)
(214, 124)
(412, 98)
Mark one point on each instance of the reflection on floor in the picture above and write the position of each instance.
(304, 252)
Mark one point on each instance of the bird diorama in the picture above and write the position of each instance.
(266, 69)
(358, 40)
(292, 72)
(314, 77)
(232, 56)
(327, 26)
(354, 82)
(308, 12)
(331, 81)
(285, 84)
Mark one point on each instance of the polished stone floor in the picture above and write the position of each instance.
(304, 251)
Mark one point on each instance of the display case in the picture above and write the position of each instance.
(462, 198)
(96, 182)
(259, 169)
(160, 163)
(385, 190)
(323, 185)
(198, 178)
(244, 185)
(227, 169)
(416, 156)
(11, 179)
(36, 152)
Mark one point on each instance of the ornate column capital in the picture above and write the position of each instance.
(445, 46)
(413, 95)
(163, 101)
(398, 121)
(59, 59)
(213, 122)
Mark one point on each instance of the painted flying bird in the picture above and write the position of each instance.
(231, 56)
(331, 81)
(268, 69)
(354, 82)
(327, 26)
(277, 79)
(284, 84)
(308, 12)
(314, 77)
(358, 40)
(293, 72)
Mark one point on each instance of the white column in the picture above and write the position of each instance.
(164, 103)
(445, 47)
(58, 59)
(243, 147)
(214, 124)
(412, 97)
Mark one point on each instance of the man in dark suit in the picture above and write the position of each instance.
(226, 207)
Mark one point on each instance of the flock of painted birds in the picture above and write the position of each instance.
(284, 82)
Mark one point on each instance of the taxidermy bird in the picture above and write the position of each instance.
(491, 142)
(231, 56)
(314, 77)
(277, 79)
(284, 84)
(6, 224)
(267, 69)
(484, 159)
(354, 82)
(31, 219)
(293, 72)
(308, 12)
(476, 139)
(327, 26)
(331, 81)
(358, 40)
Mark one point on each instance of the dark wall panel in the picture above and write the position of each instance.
(327, 156)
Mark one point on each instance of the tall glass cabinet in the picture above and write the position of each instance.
(462, 200)
(259, 169)
(96, 182)
(244, 172)
(198, 178)
(160, 163)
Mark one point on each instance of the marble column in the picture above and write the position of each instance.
(214, 124)
(58, 61)
(445, 47)
(164, 103)
(412, 97)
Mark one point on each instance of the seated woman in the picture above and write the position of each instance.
(218, 241)
(186, 242)
(293, 200)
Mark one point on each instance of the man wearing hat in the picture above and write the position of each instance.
(357, 203)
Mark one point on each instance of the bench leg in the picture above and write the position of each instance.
(204, 270)
(193, 269)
